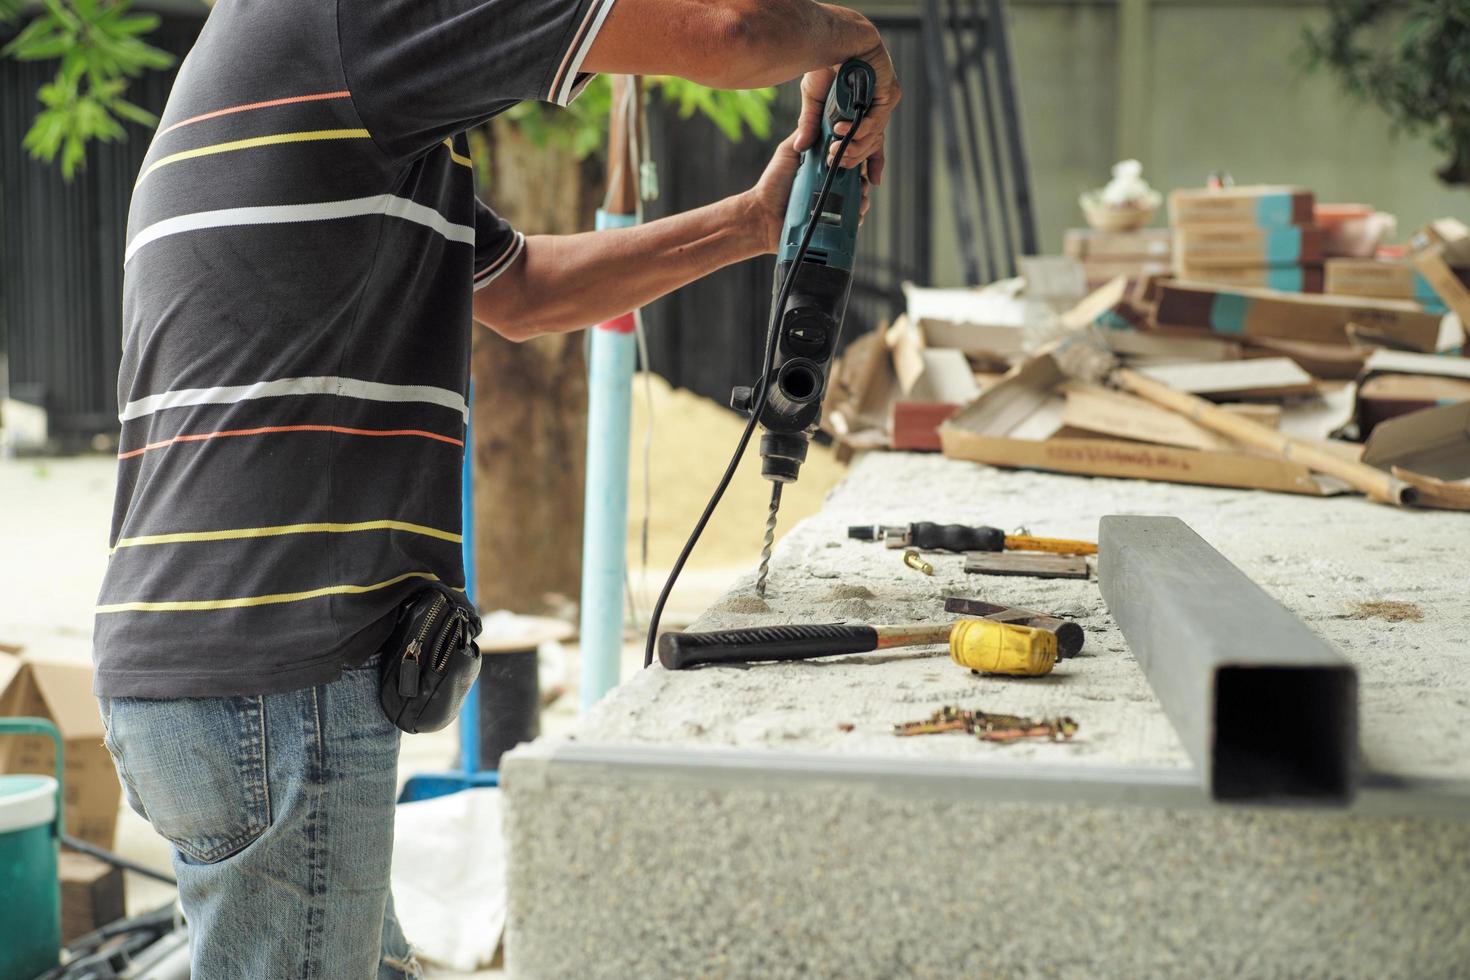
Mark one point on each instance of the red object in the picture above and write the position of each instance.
(916, 424)
(619, 324)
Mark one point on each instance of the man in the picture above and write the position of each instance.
(304, 255)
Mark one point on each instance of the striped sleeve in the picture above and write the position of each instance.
(497, 245)
(420, 72)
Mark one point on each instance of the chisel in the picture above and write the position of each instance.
(979, 644)
(960, 538)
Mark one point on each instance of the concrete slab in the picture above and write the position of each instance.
(726, 822)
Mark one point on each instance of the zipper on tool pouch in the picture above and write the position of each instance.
(408, 668)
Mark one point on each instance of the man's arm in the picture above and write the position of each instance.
(567, 282)
(736, 44)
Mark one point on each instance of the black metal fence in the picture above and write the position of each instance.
(61, 251)
(708, 336)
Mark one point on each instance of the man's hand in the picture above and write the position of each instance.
(753, 43)
(867, 145)
(766, 201)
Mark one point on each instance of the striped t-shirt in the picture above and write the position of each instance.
(302, 248)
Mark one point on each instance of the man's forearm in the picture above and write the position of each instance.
(728, 43)
(566, 282)
(780, 40)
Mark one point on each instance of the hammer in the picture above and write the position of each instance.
(979, 644)
(1069, 635)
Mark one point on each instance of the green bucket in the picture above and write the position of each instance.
(30, 832)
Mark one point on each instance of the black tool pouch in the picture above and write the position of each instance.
(429, 662)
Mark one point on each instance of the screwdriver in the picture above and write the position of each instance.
(979, 644)
(960, 538)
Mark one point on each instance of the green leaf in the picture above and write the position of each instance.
(39, 40)
(133, 113)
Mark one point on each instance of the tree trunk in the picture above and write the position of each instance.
(530, 408)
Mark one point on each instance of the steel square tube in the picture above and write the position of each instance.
(1266, 709)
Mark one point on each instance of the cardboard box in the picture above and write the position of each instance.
(1015, 423)
(1253, 313)
(1286, 278)
(1144, 244)
(1384, 279)
(1434, 442)
(986, 323)
(1437, 248)
(91, 894)
(1262, 206)
(924, 373)
(1246, 246)
(1268, 377)
(62, 692)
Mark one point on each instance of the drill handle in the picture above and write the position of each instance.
(852, 90)
(955, 537)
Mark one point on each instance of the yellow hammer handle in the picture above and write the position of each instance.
(1057, 546)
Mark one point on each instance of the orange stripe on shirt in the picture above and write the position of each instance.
(270, 429)
(292, 100)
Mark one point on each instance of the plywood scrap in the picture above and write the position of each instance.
(1418, 381)
(1267, 377)
(1377, 485)
(1132, 460)
(1242, 313)
(1113, 413)
(1434, 442)
(1334, 362)
(1029, 565)
(1437, 248)
(1018, 422)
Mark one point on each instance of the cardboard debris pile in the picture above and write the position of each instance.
(1001, 375)
(61, 691)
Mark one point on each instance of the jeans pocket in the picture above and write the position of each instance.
(197, 767)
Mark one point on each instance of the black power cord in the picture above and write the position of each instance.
(763, 386)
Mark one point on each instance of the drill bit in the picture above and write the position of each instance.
(770, 539)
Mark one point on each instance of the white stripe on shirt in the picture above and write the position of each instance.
(275, 214)
(346, 387)
(568, 89)
(492, 271)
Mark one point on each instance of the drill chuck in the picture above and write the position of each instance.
(782, 455)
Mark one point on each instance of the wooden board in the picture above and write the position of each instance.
(1025, 563)
(1264, 377)
(1114, 413)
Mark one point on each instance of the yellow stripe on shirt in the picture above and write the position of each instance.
(463, 161)
(307, 136)
(202, 605)
(235, 534)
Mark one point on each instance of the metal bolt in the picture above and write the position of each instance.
(911, 559)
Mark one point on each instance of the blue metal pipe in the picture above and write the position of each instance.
(605, 527)
(469, 712)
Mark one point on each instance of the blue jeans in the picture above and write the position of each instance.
(280, 811)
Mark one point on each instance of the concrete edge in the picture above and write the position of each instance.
(542, 763)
